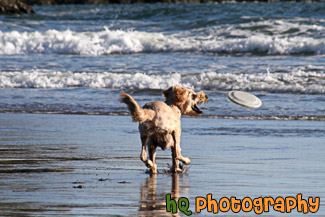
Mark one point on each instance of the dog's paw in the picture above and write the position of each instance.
(153, 171)
(181, 169)
(149, 164)
(175, 170)
(186, 160)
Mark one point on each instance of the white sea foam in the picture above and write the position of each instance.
(299, 80)
(57, 79)
(118, 41)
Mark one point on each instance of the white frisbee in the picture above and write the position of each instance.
(244, 99)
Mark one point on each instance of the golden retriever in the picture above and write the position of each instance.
(160, 122)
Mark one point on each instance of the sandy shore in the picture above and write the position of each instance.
(83, 165)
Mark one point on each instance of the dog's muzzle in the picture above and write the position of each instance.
(196, 109)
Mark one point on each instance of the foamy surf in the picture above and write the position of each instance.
(108, 42)
(300, 80)
(64, 60)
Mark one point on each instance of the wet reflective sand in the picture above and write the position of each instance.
(82, 165)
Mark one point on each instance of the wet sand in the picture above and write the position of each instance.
(84, 165)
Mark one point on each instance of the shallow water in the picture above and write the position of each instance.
(85, 165)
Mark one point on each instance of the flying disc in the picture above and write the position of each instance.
(244, 99)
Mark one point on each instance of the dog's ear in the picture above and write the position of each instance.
(175, 94)
(167, 92)
(179, 94)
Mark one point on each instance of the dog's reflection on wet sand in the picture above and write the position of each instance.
(153, 200)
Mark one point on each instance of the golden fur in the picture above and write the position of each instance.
(160, 122)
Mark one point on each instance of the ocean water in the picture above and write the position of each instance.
(77, 58)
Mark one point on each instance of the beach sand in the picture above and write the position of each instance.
(85, 165)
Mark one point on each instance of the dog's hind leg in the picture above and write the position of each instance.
(143, 155)
(152, 155)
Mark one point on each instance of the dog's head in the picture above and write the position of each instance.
(185, 99)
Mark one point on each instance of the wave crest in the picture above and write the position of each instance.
(299, 80)
(124, 42)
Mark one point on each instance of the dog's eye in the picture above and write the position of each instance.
(194, 96)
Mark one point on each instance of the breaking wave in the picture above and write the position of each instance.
(108, 42)
(306, 80)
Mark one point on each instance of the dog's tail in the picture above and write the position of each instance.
(138, 114)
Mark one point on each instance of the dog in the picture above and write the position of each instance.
(160, 123)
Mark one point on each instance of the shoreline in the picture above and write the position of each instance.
(235, 117)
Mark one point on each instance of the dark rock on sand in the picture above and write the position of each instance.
(58, 2)
(14, 7)
(55, 2)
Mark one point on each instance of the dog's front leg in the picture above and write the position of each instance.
(185, 160)
(143, 155)
(177, 151)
